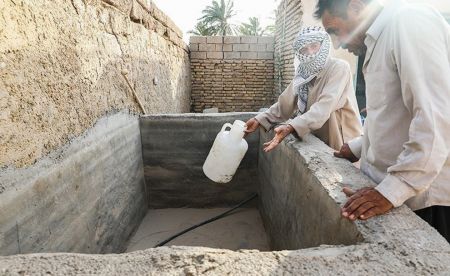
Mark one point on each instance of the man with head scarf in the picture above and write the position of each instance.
(321, 93)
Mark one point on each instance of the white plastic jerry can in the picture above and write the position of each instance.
(226, 153)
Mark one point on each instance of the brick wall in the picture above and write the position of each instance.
(288, 23)
(231, 73)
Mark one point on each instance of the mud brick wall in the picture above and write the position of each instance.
(288, 23)
(61, 65)
(231, 73)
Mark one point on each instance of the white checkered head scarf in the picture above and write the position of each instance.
(309, 66)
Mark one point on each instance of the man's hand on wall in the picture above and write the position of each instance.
(251, 125)
(280, 133)
(346, 153)
(365, 203)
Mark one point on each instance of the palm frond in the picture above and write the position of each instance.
(217, 16)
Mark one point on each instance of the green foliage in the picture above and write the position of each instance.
(217, 17)
(202, 29)
(216, 21)
(269, 30)
(252, 28)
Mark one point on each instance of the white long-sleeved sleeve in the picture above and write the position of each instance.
(281, 111)
(355, 146)
(330, 99)
(424, 71)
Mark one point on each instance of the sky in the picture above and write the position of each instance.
(186, 12)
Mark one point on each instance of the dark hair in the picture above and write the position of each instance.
(334, 7)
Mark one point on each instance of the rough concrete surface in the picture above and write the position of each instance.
(398, 243)
(174, 150)
(87, 197)
(61, 64)
(297, 210)
(241, 229)
(365, 259)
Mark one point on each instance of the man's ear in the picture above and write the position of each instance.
(355, 8)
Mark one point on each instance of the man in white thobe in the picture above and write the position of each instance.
(406, 143)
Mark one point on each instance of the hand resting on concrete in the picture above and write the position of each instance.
(346, 153)
(364, 204)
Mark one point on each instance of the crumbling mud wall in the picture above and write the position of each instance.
(289, 16)
(61, 65)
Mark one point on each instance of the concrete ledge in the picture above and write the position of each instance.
(296, 209)
(400, 227)
(365, 259)
(88, 197)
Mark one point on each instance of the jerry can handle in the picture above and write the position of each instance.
(225, 126)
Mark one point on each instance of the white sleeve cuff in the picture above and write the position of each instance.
(263, 121)
(356, 146)
(300, 126)
(395, 190)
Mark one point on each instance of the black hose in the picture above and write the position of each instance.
(207, 221)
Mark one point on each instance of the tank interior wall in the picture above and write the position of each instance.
(296, 208)
(174, 150)
(88, 197)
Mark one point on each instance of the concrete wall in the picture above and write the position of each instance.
(174, 150)
(87, 197)
(231, 73)
(61, 64)
(296, 208)
(398, 243)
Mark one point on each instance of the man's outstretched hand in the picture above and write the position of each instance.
(364, 204)
(280, 133)
(346, 153)
(251, 125)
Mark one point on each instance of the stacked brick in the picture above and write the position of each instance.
(231, 73)
(287, 25)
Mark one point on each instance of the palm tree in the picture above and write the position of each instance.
(253, 28)
(270, 30)
(217, 17)
(202, 29)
